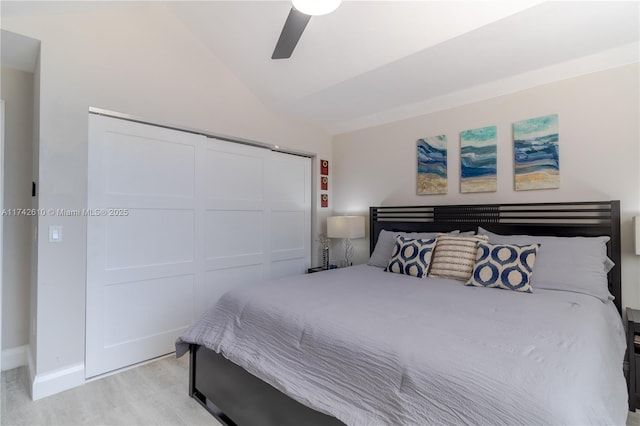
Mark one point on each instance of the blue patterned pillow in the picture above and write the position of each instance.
(411, 256)
(505, 266)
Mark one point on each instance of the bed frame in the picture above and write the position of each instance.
(229, 392)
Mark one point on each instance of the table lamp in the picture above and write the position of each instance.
(346, 227)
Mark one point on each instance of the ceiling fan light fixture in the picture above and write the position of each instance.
(316, 7)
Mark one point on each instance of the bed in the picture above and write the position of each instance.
(361, 345)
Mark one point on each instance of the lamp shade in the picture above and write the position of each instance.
(316, 7)
(345, 227)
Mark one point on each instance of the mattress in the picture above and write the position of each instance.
(371, 347)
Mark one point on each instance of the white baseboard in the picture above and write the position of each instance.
(129, 367)
(15, 357)
(52, 382)
(32, 366)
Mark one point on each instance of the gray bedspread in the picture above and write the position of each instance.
(371, 348)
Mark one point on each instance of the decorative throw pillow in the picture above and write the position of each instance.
(454, 257)
(506, 266)
(411, 256)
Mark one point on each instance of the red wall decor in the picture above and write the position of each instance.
(324, 183)
(324, 167)
(324, 200)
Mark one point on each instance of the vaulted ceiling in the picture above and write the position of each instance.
(370, 62)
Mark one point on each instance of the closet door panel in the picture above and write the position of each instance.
(141, 261)
(142, 238)
(289, 194)
(287, 267)
(234, 218)
(234, 172)
(233, 233)
(138, 165)
(132, 308)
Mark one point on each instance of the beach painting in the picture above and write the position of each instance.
(536, 153)
(432, 165)
(478, 160)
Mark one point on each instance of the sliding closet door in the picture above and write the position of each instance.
(141, 260)
(190, 218)
(257, 217)
(235, 221)
(289, 193)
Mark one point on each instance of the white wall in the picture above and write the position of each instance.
(17, 91)
(599, 121)
(140, 61)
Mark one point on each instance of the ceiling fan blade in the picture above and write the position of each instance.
(291, 32)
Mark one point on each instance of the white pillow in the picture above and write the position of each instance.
(576, 264)
(387, 239)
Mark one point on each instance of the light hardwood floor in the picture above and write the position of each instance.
(152, 394)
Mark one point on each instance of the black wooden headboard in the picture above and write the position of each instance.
(586, 219)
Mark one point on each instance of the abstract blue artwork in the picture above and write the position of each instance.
(537, 163)
(432, 165)
(478, 160)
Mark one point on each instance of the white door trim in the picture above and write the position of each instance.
(1, 208)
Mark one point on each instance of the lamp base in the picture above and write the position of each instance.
(348, 252)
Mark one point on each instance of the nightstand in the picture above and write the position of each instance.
(633, 352)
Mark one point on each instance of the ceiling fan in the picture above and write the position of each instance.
(297, 21)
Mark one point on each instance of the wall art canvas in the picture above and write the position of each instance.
(478, 160)
(536, 152)
(324, 167)
(432, 165)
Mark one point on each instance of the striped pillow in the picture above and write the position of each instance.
(455, 257)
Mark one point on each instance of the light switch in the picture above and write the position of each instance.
(55, 233)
